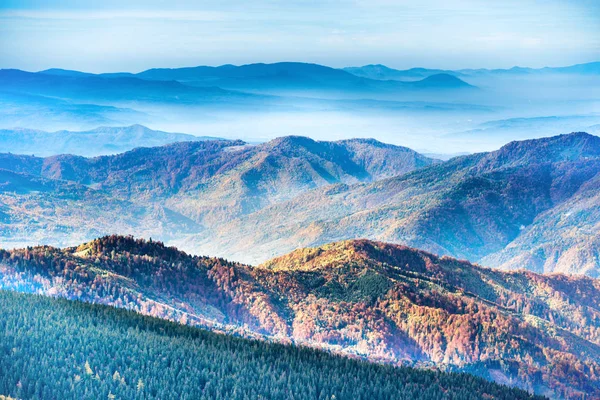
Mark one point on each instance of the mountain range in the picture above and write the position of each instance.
(358, 249)
(379, 71)
(227, 101)
(274, 77)
(530, 204)
(383, 302)
(183, 187)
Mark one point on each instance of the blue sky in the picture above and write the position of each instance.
(135, 35)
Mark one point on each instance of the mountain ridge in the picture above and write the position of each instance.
(383, 72)
(206, 181)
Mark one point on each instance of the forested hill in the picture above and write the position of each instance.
(374, 300)
(59, 349)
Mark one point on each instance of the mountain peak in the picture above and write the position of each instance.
(357, 252)
(119, 244)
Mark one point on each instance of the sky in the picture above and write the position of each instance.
(134, 35)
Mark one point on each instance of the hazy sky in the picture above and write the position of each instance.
(107, 35)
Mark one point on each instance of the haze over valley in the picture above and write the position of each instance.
(436, 111)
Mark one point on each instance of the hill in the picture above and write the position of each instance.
(383, 302)
(100, 141)
(469, 207)
(84, 351)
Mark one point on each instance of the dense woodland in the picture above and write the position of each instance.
(60, 349)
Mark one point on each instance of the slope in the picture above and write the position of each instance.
(84, 351)
(379, 301)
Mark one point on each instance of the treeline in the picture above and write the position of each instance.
(60, 349)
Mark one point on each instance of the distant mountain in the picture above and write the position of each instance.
(86, 351)
(531, 204)
(468, 207)
(208, 181)
(384, 302)
(99, 141)
(591, 68)
(441, 81)
(83, 87)
(276, 78)
(382, 72)
(210, 96)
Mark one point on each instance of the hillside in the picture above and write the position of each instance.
(469, 207)
(100, 141)
(384, 302)
(36, 210)
(209, 181)
(85, 351)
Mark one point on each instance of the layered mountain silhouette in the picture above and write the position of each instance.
(384, 302)
(119, 89)
(275, 77)
(57, 99)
